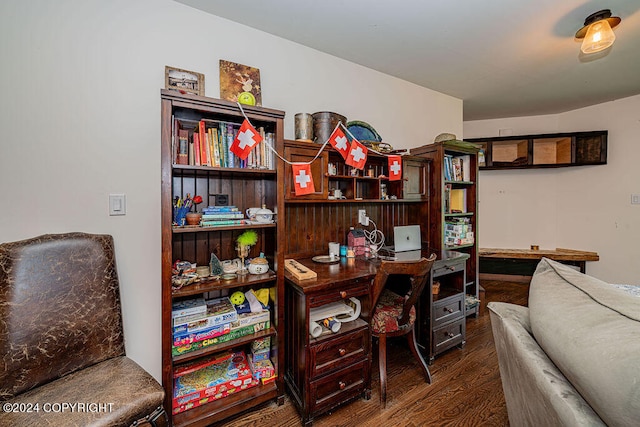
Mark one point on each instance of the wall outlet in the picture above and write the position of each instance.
(362, 217)
(635, 199)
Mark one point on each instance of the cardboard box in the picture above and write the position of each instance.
(232, 335)
(212, 379)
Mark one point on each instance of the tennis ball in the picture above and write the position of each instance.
(247, 98)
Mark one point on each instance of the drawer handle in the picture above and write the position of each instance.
(342, 351)
(343, 294)
(450, 335)
(342, 385)
(448, 310)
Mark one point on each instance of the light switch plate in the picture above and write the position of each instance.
(117, 204)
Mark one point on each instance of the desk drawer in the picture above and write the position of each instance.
(339, 351)
(339, 387)
(355, 289)
(449, 268)
(448, 335)
(448, 309)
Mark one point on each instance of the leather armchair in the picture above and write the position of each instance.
(61, 337)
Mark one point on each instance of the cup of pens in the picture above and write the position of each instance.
(179, 214)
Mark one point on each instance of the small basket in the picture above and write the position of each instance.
(435, 288)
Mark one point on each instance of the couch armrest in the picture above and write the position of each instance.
(535, 390)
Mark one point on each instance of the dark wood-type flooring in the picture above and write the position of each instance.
(466, 388)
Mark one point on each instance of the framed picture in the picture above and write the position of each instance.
(240, 83)
(183, 80)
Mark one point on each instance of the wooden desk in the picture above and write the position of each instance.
(322, 373)
(524, 261)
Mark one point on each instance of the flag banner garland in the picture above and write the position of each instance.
(395, 168)
(339, 141)
(357, 155)
(302, 179)
(245, 140)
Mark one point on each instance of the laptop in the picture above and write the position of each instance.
(407, 244)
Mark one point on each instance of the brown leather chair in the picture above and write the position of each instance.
(394, 315)
(61, 341)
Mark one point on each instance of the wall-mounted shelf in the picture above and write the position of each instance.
(544, 150)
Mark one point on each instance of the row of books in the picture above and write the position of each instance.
(214, 216)
(457, 168)
(206, 143)
(458, 232)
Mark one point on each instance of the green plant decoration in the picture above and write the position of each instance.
(248, 238)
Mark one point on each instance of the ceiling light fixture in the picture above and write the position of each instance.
(597, 31)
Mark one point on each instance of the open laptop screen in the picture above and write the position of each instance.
(406, 238)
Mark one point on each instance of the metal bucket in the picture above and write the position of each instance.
(323, 124)
(304, 127)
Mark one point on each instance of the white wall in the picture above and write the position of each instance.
(80, 118)
(587, 207)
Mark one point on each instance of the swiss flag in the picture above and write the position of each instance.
(339, 141)
(395, 168)
(357, 155)
(302, 179)
(245, 140)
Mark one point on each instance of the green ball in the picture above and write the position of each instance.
(247, 98)
(237, 298)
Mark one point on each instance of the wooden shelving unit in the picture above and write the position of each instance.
(543, 150)
(245, 188)
(442, 215)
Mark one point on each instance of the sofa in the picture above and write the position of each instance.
(572, 357)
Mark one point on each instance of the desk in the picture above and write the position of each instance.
(524, 261)
(322, 373)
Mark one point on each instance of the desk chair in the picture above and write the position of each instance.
(61, 338)
(395, 315)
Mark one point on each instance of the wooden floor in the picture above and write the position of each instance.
(466, 388)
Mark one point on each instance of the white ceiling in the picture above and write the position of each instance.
(503, 58)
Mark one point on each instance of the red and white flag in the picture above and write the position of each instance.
(395, 168)
(339, 141)
(302, 179)
(245, 140)
(357, 155)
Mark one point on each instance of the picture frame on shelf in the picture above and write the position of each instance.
(183, 81)
(240, 83)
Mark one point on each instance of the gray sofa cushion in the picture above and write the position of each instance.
(591, 332)
(536, 392)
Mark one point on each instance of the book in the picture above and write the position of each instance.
(222, 215)
(182, 155)
(205, 157)
(196, 149)
(223, 222)
(216, 209)
(458, 200)
(215, 153)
